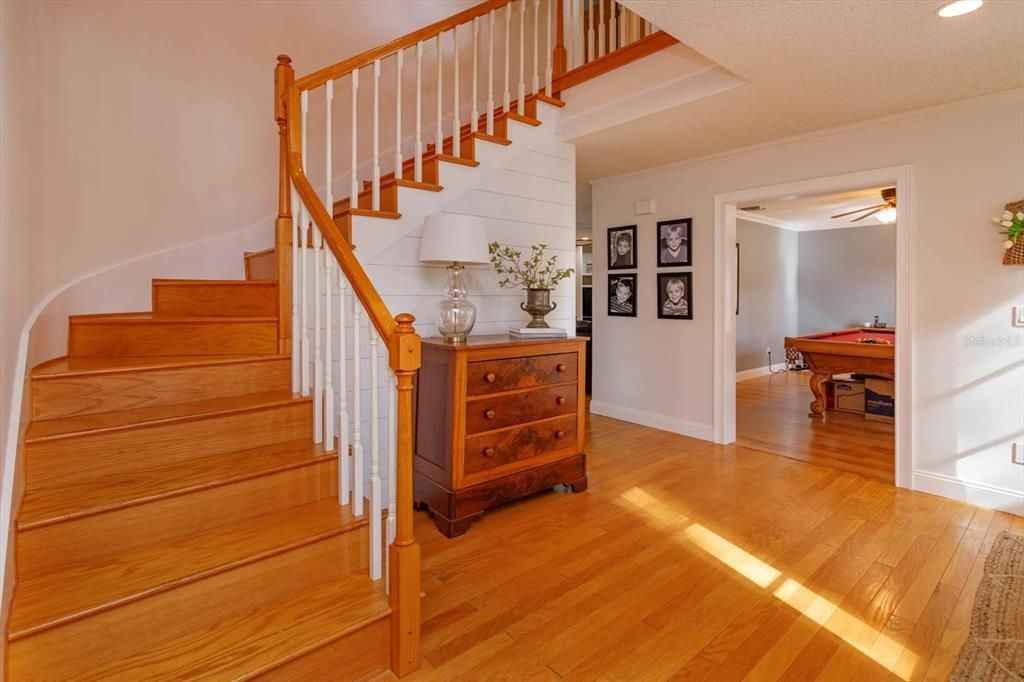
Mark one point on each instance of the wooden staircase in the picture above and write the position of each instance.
(177, 521)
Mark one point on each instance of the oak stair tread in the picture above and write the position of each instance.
(145, 317)
(43, 506)
(265, 638)
(69, 427)
(77, 591)
(76, 366)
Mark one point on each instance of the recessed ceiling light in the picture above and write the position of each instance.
(959, 8)
(586, 239)
(791, 197)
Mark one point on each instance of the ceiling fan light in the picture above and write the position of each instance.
(886, 215)
(958, 8)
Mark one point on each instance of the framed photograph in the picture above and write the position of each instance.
(622, 247)
(675, 295)
(622, 295)
(674, 242)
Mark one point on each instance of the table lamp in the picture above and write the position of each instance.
(455, 239)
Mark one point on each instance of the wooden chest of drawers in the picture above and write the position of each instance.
(497, 419)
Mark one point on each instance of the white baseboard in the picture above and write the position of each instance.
(981, 494)
(654, 420)
(753, 373)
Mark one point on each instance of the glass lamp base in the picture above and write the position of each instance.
(455, 314)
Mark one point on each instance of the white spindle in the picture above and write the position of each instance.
(375, 488)
(303, 245)
(550, 73)
(581, 27)
(536, 62)
(417, 172)
(398, 114)
(318, 364)
(456, 123)
(521, 99)
(353, 197)
(439, 133)
(600, 30)
(591, 23)
(357, 404)
(474, 123)
(490, 76)
(508, 28)
(344, 458)
(328, 282)
(375, 186)
(613, 29)
(296, 294)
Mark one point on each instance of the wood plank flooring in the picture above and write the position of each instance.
(771, 415)
(687, 560)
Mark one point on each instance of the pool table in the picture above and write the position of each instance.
(864, 350)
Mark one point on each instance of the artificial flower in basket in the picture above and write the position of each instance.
(1013, 227)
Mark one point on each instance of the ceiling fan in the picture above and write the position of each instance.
(885, 212)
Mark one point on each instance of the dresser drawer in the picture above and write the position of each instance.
(484, 414)
(492, 376)
(497, 449)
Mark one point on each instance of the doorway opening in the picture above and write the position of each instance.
(828, 298)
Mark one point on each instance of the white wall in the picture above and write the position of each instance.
(768, 293)
(847, 276)
(968, 386)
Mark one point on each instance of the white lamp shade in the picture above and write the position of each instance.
(454, 238)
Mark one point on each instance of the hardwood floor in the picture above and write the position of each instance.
(771, 415)
(687, 560)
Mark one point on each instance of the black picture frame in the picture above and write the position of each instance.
(673, 311)
(617, 261)
(684, 258)
(617, 307)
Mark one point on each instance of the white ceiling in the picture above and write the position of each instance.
(810, 65)
(814, 212)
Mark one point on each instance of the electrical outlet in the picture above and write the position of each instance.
(1018, 316)
(1018, 453)
(768, 350)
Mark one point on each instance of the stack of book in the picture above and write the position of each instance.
(537, 333)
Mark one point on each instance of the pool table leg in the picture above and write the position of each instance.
(818, 389)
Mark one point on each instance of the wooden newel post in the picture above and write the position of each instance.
(284, 76)
(404, 553)
(561, 56)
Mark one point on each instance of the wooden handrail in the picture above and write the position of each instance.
(343, 68)
(361, 284)
(614, 60)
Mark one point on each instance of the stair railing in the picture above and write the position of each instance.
(317, 267)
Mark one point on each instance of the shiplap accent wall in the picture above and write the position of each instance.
(530, 200)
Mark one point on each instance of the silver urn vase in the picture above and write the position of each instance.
(538, 304)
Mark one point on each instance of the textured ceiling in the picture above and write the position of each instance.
(815, 211)
(811, 65)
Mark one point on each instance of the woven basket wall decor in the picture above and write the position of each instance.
(1015, 254)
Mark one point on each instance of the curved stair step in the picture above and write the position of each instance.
(72, 386)
(134, 334)
(60, 597)
(205, 297)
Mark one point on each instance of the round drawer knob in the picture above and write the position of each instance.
(559, 434)
(489, 414)
(561, 367)
(490, 377)
(560, 400)
(488, 452)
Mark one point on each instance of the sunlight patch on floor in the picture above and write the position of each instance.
(852, 630)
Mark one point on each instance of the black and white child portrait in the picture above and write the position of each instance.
(674, 242)
(675, 292)
(622, 295)
(622, 247)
